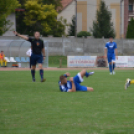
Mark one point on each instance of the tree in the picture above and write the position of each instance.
(130, 30)
(83, 33)
(56, 3)
(71, 31)
(6, 8)
(103, 27)
(39, 16)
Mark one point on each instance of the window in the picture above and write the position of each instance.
(130, 7)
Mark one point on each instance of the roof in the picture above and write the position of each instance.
(65, 3)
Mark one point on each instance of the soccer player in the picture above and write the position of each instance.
(128, 82)
(111, 54)
(38, 53)
(74, 84)
(2, 59)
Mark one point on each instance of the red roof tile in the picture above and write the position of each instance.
(65, 3)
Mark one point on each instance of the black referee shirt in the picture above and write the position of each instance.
(37, 45)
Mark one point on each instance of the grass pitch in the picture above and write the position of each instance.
(40, 108)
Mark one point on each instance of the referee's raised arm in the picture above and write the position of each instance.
(22, 36)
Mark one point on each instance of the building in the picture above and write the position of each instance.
(122, 11)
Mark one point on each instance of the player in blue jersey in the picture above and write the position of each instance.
(73, 84)
(111, 54)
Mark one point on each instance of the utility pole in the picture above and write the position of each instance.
(75, 18)
(121, 1)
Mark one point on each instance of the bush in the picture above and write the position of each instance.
(83, 33)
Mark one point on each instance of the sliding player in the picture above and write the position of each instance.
(74, 84)
(128, 82)
(38, 53)
(111, 54)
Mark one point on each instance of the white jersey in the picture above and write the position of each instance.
(29, 52)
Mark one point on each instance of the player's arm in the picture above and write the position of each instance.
(43, 52)
(116, 53)
(73, 86)
(67, 74)
(22, 36)
(43, 49)
(105, 52)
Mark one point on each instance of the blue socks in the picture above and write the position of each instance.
(110, 68)
(41, 73)
(33, 74)
(86, 74)
(113, 66)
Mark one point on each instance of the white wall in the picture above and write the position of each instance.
(67, 13)
(12, 18)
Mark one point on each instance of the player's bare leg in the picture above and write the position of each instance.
(41, 72)
(90, 89)
(85, 73)
(33, 72)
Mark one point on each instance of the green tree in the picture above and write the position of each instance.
(71, 31)
(83, 33)
(103, 27)
(130, 30)
(56, 3)
(6, 8)
(41, 17)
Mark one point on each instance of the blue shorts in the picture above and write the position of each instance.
(36, 58)
(77, 80)
(111, 57)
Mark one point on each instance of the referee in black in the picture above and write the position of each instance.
(38, 53)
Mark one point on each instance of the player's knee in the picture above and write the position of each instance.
(84, 71)
(40, 66)
(90, 89)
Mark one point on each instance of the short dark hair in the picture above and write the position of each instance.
(36, 32)
(111, 37)
(2, 51)
(62, 77)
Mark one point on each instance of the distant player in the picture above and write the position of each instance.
(111, 54)
(128, 82)
(2, 59)
(38, 53)
(74, 84)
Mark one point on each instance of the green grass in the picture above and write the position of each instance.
(54, 61)
(39, 108)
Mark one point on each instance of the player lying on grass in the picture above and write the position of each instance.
(128, 82)
(74, 84)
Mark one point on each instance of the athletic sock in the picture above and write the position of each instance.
(132, 82)
(33, 74)
(86, 74)
(110, 68)
(41, 73)
(113, 66)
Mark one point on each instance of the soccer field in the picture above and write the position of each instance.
(40, 108)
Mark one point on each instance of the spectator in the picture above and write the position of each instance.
(29, 53)
(2, 59)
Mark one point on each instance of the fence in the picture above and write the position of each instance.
(15, 52)
(65, 46)
(86, 46)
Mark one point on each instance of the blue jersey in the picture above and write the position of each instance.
(66, 87)
(111, 46)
